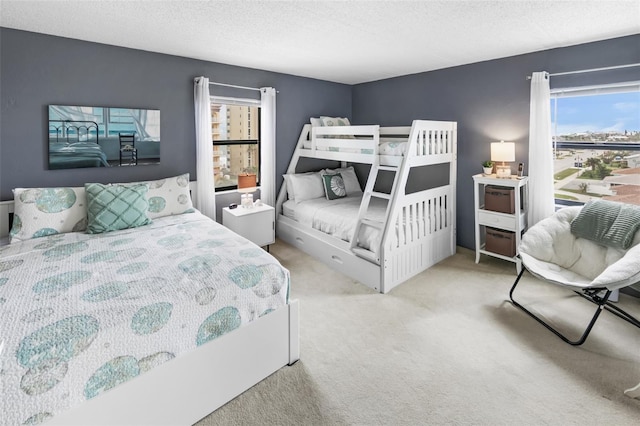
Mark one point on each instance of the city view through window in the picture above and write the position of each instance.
(597, 147)
(235, 131)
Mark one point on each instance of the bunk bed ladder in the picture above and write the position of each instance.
(364, 206)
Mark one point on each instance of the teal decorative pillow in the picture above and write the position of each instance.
(114, 207)
(39, 212)
(334, 186)
(168, 196)
(351, 183)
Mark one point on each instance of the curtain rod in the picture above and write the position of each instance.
(237, 87)
(234, 86)
(591, 70)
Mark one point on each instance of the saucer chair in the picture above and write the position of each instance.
(593, 250)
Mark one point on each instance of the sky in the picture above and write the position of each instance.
(597, 113)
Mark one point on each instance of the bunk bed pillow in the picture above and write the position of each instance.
(351, 184)
(337, 121)
(316, 122)
(289, 185)
(334, 186)
(334, 121)
(306, 186)
(39, 212)
(289, 182)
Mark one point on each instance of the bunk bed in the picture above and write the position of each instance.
(157, 324)
(401, 229)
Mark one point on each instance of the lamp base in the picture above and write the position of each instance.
(503, 172)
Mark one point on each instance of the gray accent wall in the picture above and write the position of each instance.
(37, 70)
(490, 102)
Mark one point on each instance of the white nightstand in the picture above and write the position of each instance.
(515, 222)
(256, 224)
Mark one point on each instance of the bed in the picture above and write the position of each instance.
(158, 324)
(400, 230)
(75, 144)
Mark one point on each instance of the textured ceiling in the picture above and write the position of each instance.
(342, 41)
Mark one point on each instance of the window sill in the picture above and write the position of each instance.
(232, 191)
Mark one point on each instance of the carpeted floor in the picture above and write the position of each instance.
(446, 347)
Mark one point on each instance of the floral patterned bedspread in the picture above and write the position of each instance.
(81, 314)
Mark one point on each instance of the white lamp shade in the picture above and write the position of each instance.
(503, 151)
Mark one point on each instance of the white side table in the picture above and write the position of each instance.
(516, 222)
(256, 224)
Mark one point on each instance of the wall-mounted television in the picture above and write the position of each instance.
(87, 136)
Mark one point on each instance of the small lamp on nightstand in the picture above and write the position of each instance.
(502, 152)
(246, 186)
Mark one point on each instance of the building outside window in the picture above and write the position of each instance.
(235, 132)
(596, 143)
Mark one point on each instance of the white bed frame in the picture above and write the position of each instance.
(186, 389)
(408, 247)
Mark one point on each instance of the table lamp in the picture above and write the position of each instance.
(246, 186)
(502, 152)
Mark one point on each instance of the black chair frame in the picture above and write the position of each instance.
(591, 294)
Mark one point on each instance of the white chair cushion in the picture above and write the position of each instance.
(550, 251)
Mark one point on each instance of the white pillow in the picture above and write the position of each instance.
(316, 122)
(307, 186)
(287, 178)
(351, 183)
(287, 182)
(168, 196)
(39, 212)
(335, 121)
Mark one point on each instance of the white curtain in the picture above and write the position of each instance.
(205, 189)
(268, 145)
(541, 193)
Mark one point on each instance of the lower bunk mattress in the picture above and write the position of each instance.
(338, 218)
(84, 313)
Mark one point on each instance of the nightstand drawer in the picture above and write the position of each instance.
(497, 220)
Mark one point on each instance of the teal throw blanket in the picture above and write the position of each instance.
(607, 223)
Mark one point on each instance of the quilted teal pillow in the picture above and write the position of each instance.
(334, 186)
(114, 207)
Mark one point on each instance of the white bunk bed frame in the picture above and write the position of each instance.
(191, 386)
(419, 230)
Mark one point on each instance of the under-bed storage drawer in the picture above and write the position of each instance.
(323, 247)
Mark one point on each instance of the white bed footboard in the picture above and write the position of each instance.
(424, 233)
(188, 388)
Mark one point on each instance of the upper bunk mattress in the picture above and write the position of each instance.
(390, 151)
(84, 313)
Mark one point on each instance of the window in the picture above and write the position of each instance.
(596, 143)
(235, 132)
